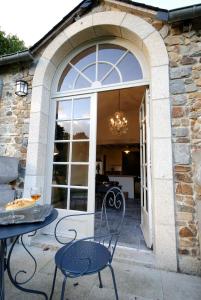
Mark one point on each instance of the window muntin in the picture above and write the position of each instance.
(71, 153)
(103, 64)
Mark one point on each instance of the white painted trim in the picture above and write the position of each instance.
(101, 89)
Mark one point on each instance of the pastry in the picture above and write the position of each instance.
(20, 204)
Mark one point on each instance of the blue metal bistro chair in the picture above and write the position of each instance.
(91, 255)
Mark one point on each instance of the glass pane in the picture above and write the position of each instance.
(59, 197)
(80, 151)
(67, 79)
(79, 175)
(60, 174)
(62, 130)
(84, 58)
(142, 194)
(64, 110)
(81, 108)
(145, 176)
(82, 83)
(145, 153)
(81, 129)
(113, 77)
(102, 70)
(90, 72)
(147, 207)
(61, 152)
(109, 52)
(130, 68)
(78, 199)
(145, 200)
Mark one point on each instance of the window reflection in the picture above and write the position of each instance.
(81, 83)
(81, 108)
(62, 130)
(81, 129)
(113, 77)
(102, 70)
(78, 199)
(79, 175)
(109, 52)
(66, 82)
(59, 197)
(80, 151)
(84, 58)
(90, 72)
(130, 68)
(90, 62)
(64, 110)
(60, 174)
(61, 152)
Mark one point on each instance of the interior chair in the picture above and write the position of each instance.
(87, 256)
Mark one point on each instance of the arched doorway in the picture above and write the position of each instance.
(149, 42)
(106, 65)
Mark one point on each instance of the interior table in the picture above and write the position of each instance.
(17, 231)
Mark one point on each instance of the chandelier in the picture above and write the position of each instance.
(118, 123)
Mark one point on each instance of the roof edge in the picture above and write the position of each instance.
(22, 56)
(184, 13)
(77, 12)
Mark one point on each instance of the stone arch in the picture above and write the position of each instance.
(149, 41)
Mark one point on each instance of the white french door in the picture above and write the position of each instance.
(145, 170)
(73, 164)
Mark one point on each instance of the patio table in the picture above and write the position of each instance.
(16, 231)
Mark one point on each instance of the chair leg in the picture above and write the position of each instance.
(100, 281)
(63, 288)
(53, 283)
(114, 282)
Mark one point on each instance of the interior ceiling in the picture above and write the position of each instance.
(130, 100)
(108, 104)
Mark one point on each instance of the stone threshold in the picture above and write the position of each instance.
(123, 254)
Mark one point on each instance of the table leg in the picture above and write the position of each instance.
(2, 266)
(14, 279)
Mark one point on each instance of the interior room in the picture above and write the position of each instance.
(118, 156)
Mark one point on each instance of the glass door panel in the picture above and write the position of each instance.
(145, 162)
(73, 170)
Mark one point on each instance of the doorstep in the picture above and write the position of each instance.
(123, 254)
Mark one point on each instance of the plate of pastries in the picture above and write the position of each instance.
(19, 204)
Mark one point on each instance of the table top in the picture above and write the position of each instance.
(9, 231)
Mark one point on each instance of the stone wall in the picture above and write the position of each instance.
(15, 115)
(184, 48)
(183, 42)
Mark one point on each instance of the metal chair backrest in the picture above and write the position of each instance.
(111, 217)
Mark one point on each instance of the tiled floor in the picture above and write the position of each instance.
(131, 235)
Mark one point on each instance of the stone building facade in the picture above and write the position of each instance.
(182, 39)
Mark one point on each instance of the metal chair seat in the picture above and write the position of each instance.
(86, 257)
(91, 255)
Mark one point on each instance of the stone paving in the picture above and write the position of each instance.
(135, 282)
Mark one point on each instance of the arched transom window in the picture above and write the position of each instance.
(100, 65)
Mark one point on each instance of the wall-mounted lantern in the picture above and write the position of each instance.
(21, 88)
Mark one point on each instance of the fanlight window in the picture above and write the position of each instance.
(100, 65)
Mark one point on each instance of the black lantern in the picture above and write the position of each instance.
(21, 88)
